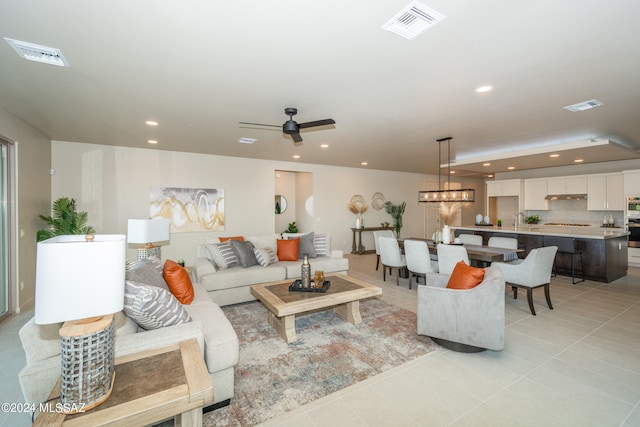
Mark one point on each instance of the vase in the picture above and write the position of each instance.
(359, 222)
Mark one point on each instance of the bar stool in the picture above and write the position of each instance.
(568, 246)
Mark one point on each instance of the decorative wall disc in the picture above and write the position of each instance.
(357, 204)
(377, 201)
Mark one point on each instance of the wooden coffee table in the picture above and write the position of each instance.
(343, 296)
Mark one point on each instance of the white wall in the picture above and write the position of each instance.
(113, 184)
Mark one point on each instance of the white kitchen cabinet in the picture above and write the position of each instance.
(634, 256)
(605, 193)
(507, 187)
(631, 183)
(567, 185)
(535, 191)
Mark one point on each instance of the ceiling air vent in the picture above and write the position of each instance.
(581, 106)
(413, 20)
(35, 52)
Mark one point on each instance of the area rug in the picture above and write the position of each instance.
(273, 377)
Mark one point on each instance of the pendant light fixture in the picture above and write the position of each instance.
(448, 195)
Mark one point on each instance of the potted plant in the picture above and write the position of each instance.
(533, 219)
(396, 212)
(64, 220)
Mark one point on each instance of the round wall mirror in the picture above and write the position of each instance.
(281, 204)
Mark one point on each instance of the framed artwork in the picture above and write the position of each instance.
(189, 209)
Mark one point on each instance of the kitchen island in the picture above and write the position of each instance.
(605, 249)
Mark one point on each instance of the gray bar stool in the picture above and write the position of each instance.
(569, 246)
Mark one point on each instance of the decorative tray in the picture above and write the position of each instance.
(297, 287)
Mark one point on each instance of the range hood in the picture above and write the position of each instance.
(566, 197)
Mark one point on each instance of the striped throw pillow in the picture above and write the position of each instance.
(223, 255)
(152, 307)
(265, 256)
(322, 244)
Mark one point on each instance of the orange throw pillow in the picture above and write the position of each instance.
(224, 239)
(465, 277)
(288, 249)
(178, 281)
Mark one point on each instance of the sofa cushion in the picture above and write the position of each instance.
(147, 271)
(288, 249)
(223, 255)
(243, 277)
(265, 256)
(244, 252)
(266, 241)
(152, 307)
(465, 277)
(178, 281)
(326, 264)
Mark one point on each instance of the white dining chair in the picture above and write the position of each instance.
(449, 256)
(532, 272)
(503, 242)
(471, 239)
(376, 236)
(390, 257)
(419, 261)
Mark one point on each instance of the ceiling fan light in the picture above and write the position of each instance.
(290, 127)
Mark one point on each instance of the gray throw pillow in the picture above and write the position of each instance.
(306, 246)
(244, 252)
(147, 271)
(152, 307)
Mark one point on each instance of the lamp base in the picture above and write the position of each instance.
(87, 373)
(148, 251)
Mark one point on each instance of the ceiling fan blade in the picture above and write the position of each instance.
(296, 137)
(317, 123)
(259, 124)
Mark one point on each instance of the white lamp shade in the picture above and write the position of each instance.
(148, 230)
(76, 279)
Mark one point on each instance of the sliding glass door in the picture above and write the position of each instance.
(4, 228)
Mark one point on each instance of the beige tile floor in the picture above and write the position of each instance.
(576, 365)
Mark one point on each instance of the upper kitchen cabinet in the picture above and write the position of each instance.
(507, 187)
(567, 185)
(535, 191)
(605, 193)
(631, 183)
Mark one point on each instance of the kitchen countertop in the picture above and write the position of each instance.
(552, 230)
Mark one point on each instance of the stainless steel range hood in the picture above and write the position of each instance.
(566, 197)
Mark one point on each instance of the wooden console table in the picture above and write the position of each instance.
(149, 387)
(359, 249)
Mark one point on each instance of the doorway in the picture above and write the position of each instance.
(6, 178)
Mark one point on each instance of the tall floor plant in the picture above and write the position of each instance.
(64, 220)
(396, 212)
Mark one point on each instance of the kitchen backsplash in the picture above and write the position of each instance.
(575, 212)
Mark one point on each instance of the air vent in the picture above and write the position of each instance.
(244, 140)
(587, 105)
(413, 20)
(35, 52)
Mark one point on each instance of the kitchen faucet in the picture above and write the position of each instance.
(518, 219)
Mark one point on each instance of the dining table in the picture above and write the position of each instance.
(478, 253)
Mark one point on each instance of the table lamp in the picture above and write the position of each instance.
(148, 232)
(80, 281)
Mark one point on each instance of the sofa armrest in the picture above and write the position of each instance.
(437, 280)
(159, 338)
(202, 267)
(337, 253)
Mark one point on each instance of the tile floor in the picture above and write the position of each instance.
(576, 365)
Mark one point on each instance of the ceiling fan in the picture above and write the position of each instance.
(291, 127)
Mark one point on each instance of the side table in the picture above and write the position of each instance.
(149, 387)
(356, 245)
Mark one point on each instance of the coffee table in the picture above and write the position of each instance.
(149, 387)
(344, 295)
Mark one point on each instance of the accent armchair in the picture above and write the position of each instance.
(469, 320)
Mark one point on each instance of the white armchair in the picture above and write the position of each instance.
(463, 320)
(532, 272)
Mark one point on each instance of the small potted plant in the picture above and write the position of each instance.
(533, 219)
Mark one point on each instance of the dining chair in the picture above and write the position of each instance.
(471, 239)
(503, 242)
(532, 272)
(418, 258)
(448, 257)
(390, 257)
(376, 235)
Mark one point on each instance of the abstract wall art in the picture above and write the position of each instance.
(189, 209)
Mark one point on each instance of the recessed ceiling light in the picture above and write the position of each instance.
(324, 146)
(151, 123)
(578, 160)
(511, 168)
(152, 141)
(483, 89)
(554, 155)
(296, 156)
(452, 172)
(489, 176)
(486, 164)
(364, 163)
(247, 140)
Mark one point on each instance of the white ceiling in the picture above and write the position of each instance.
(200, 67)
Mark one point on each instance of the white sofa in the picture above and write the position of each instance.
(233, 285)
(209, 325)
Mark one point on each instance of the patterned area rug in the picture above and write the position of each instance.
(273, 377)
